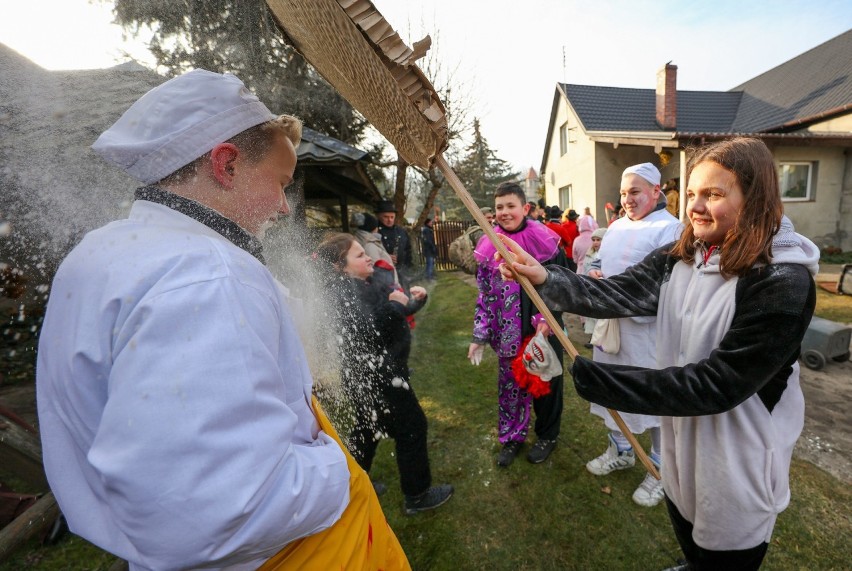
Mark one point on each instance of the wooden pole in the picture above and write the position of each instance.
(472, 207)
(32, 522)
(20, 453)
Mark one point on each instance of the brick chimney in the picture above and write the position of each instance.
(667, 96)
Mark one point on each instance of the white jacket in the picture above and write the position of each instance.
(625, 244)
(174, 400)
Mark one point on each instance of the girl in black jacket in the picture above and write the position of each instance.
(374, 340)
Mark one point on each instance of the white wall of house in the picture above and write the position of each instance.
(819, 216)
(841, 124)
(575, 167)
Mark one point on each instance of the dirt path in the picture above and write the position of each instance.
(826, 440)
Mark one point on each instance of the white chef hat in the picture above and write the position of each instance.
(179, 121)
(646, 170)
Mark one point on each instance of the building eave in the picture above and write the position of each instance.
(658, 140)
(803, 139)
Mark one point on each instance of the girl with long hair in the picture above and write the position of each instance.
(733, 298)
(374, 340)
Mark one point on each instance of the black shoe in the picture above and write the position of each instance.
(508, 453)
(681, 566)
(588, 345)
(430, 499)
(541, 450)
(380, 488)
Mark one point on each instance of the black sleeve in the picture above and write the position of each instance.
(774, 306)
(636, 292)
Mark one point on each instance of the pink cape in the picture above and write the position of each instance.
(535, 238)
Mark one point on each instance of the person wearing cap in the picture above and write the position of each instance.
(367, 233)
(488, 212)
(592, 253)
(430, 248)
(570, 231)
(553, 221)
(174, 396)
(646, 227)
(395, 240)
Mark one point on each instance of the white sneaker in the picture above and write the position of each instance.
(649, 493)
(611, 460)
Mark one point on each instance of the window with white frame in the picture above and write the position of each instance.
(565, 198)
(563, 138)
(795, 179)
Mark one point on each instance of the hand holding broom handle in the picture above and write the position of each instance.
(468, 201)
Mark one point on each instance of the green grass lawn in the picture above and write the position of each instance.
(834, 307)
(551, 516)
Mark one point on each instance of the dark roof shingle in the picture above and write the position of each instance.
(808, 85)
(802, 89)
(626, 109)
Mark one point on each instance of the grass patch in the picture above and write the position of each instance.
(835, 257)
(551, 516)
(555, 515)
(833, 306)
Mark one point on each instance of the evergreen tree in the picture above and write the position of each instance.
(241, 37)
(481, 171)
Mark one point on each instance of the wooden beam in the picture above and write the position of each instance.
(29, 524)
(656, 143)
(20, 454)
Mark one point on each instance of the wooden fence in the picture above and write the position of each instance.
(445, 233)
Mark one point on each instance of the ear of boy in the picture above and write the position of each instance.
(223, 160)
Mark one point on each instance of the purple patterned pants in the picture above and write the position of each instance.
(513, 405)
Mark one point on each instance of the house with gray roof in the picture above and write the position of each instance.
(802, 110)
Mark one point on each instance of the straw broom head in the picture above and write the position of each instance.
(357, 51)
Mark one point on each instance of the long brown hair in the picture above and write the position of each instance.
(749, 241)
(333, 250)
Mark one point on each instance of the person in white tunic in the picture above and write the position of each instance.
(174, 396)
(646, 227)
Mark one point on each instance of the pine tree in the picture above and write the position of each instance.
(481, 170)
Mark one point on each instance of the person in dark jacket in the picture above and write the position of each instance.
(733, 298)
(374, 344)
(395, 240)
(430, 249)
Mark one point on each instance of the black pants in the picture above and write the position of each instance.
(701, 559)
(397, 413)
(571, 265)
(548, 409)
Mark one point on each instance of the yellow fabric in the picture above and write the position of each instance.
(360, 540)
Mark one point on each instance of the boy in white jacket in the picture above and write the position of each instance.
(174, 395)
